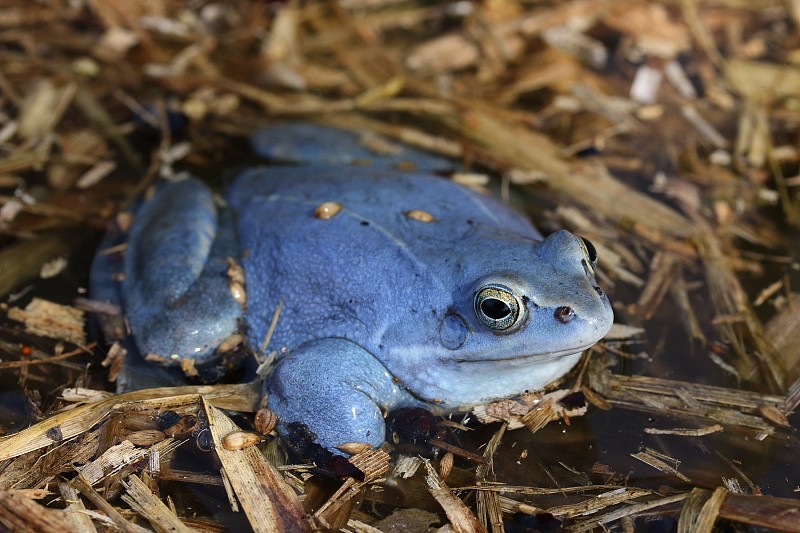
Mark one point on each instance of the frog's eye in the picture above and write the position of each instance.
(589, 251)
(497, 307)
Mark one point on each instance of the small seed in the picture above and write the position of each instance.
(774, 415)
(229, 343)
(445, 465)
(238, 440)
(265, 421)
(354, 447)
(188, 367)
(327, 210)
(238, 293)
(420, 216)
(235, 271)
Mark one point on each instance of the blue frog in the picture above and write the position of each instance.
(395, 287)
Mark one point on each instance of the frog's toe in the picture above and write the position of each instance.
(336, 391)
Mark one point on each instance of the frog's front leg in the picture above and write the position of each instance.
(338, 390)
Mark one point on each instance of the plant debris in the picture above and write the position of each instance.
(664, 132)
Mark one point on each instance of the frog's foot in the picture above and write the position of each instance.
(176, 288)
(316, 144)
(335, 391)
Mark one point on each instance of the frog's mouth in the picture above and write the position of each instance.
(536, 358)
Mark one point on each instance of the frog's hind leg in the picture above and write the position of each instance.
(176, 291)
(304, 143)
(337, 391)
(106, 286)
(176, 274)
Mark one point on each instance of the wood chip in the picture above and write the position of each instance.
(374, 463)
(659, 464)
(461, 518)
(49, 319)
(686, 432)
(116, 458)
(19, 513)
(532, 410)
(74, 508)
(269, 503)
(148, 505)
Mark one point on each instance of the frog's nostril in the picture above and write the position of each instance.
(564, 314)
(599, 291)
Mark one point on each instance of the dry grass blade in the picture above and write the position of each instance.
(649, 458)
(66, 425)
(460, 516)
(686, 432)
(784, 332)
(663, 270)
(654, 395)
(143, 501)
(268, 501)
(599, 502)
(760, 81)
(730, 299)
(23, 261)
(518, 489)
(101, 503)
(591, 186)
(43, 108)
(489, 512)
(630, 510)
(47, 360)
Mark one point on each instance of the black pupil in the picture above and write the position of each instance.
(495, 309)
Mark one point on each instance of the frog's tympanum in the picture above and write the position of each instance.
(396, 287)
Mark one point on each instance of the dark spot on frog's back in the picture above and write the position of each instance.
(365, 222)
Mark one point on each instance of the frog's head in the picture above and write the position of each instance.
(519, 318)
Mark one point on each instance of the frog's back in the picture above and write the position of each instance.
(389, 198)
(403, 227)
